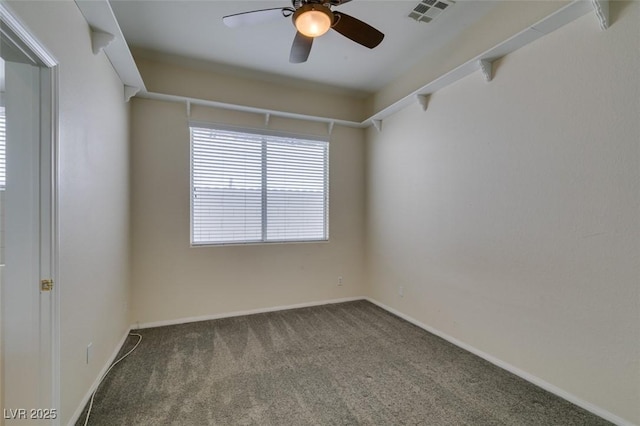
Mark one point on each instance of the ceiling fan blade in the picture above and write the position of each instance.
(300, 48)
(357, 30)
(256, 16)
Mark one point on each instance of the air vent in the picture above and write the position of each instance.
(428, 10)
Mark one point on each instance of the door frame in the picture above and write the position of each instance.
(49, 148)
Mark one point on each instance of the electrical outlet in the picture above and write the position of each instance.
(401, 291)
(89, 352)
(339, 281)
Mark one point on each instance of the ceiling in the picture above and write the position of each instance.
(194, 29)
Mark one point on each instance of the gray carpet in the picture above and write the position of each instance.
(344, 364)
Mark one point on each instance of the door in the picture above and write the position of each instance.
(28, 309)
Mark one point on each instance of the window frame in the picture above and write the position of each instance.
(3, 144)
(260, 132)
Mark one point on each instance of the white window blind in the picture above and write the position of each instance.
(248, 187)
(3, 150)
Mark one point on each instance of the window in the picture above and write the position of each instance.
(250, 187)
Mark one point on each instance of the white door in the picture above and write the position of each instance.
(27, 310)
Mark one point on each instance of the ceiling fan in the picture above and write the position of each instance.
(312, 18)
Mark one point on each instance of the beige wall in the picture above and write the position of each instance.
(93, 197)
(198, 82)
(171, 280)
(509, 211)
(506, 19)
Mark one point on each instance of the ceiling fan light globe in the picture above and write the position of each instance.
(313, 20)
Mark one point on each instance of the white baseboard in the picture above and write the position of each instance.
(78, 412)
(241, 313)
(510, 368)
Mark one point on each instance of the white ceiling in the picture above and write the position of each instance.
(194, 29)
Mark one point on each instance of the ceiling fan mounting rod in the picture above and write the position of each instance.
(327, 3)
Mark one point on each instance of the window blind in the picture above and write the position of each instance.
(3, 150)
(248, 187)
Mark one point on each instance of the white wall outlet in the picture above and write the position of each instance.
(401, 291)
(89, 352)
(339, 281)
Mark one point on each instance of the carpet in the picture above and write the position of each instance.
(343, 364)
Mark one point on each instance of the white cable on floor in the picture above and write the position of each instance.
(86, 420)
